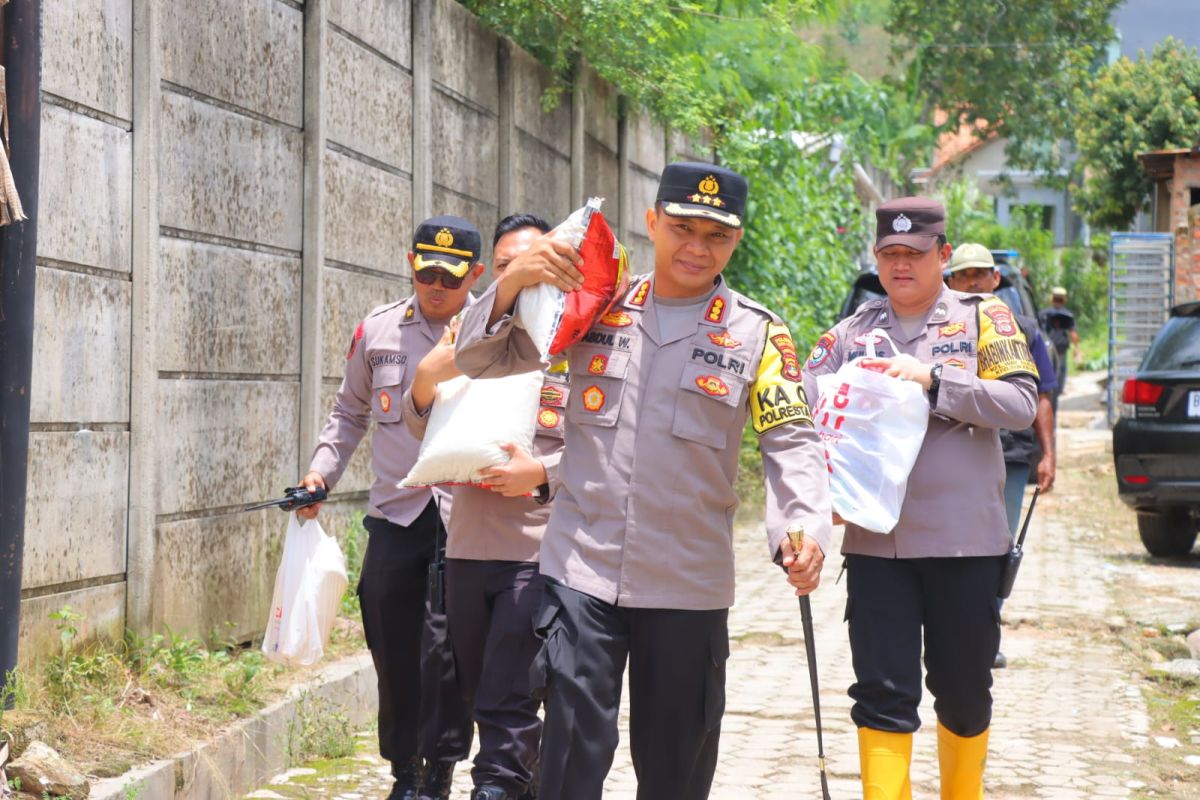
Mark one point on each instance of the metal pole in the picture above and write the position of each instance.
(796, 538)
(18, 273)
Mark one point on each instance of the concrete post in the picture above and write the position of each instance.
(422, 110)
(577, 137)
(316, 26)
(507, 139)
(143, 412)
(624, 215)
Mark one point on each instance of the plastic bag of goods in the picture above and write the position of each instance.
(872, 426)
(555, 319)
(308, 592)
(469, 421)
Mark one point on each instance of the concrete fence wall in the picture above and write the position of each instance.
(227, 188)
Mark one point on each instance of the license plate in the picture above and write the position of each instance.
(1194, 404)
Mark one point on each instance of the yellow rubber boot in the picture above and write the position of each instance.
(884, 758)
(961, 761)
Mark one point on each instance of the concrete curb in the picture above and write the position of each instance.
(245, 755)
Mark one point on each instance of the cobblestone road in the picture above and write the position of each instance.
(1070, 719)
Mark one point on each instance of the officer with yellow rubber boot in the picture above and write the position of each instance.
(934, 577)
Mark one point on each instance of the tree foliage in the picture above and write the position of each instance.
(1017, 65)
(1133, 107)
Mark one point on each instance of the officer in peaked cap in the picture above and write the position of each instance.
(424, 723)
(638, 555)
(933, 578)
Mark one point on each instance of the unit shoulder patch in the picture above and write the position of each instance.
(777, 397)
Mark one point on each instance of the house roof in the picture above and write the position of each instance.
(1159, 165)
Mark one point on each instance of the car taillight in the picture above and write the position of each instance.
(1141, 393)
(1139, 480)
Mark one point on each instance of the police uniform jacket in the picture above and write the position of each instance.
(386, 348)
(644, 515)
(487, 526)
(954, 503)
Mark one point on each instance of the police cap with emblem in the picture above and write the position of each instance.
(705, 191)
(913, 222)
(449, 243)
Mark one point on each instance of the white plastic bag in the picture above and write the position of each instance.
(308, 592)
(469, 421)
(872, 426)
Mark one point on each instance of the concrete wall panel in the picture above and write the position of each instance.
(86, 178)
(465, 148)
(245, 52)
(600, 175)
(464, 55)
(227, 310)
(600, 110)
(642, 191)
(102, 609)
(641, 249)
(218, 570)
(543, 180)
(530, 82)
(358, 476)
(89, 44)
(368, 215)
(80, 348)
(385, 25)
(228, 175)
(688, 148)
(647, 144)
(370, 104)
(485, 215)
(225, 442)
(78, 483)
(350, 296)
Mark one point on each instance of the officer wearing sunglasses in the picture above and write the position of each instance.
(424, 723)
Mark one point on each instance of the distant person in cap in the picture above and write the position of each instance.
(493, 586)
(930, 583)
(973, 270)
(638, 553)
(1059, 324)
(424, 723)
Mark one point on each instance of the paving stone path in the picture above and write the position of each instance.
(1070, 719)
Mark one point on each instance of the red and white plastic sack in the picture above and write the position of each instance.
(872, 426)
(555, 319)
(469, 421)
(308, 592)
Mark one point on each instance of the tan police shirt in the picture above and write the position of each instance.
(486, 526)
(385, 349)
(644, 515)
(954, 503)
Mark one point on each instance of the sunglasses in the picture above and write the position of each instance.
(429, 275)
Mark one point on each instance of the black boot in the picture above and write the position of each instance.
(438, 778)
(490, 792)
(408, 778)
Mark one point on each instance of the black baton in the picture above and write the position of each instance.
(796, 537)
(1012, 562)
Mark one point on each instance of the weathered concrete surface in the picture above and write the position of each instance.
(101, 609)
(368, 215)
(76, 496)
(370, 104)
(80, 36)
(358, 476)
(600, 175)
(484, 214)
(225, 442)
(383, 24)
(221, 309)
(229, 175)
(86, 177)
(464, 55)
(530, 82)
(687, 148)
(215, 575)
(464, 157)
(350, 296)
(245, 52)
(80, 348)
(543, 179)
(641, 249)
(647, 144)
(600, 110)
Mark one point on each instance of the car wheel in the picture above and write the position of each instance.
(1170, 533)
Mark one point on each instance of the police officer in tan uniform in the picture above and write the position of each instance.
(638, 553)
(937, 572)
(493, 587)
(424, 724)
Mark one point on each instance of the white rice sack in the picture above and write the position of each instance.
(469, 421)
(540, 307)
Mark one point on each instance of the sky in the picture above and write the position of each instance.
(1144, 23)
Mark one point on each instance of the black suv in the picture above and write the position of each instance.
(1156, 442)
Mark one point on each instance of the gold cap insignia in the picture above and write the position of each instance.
(444, 238)
(709, 185)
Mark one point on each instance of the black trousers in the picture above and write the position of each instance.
(490, 607)
(421, 710)
(676, 695)
(891, 602)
